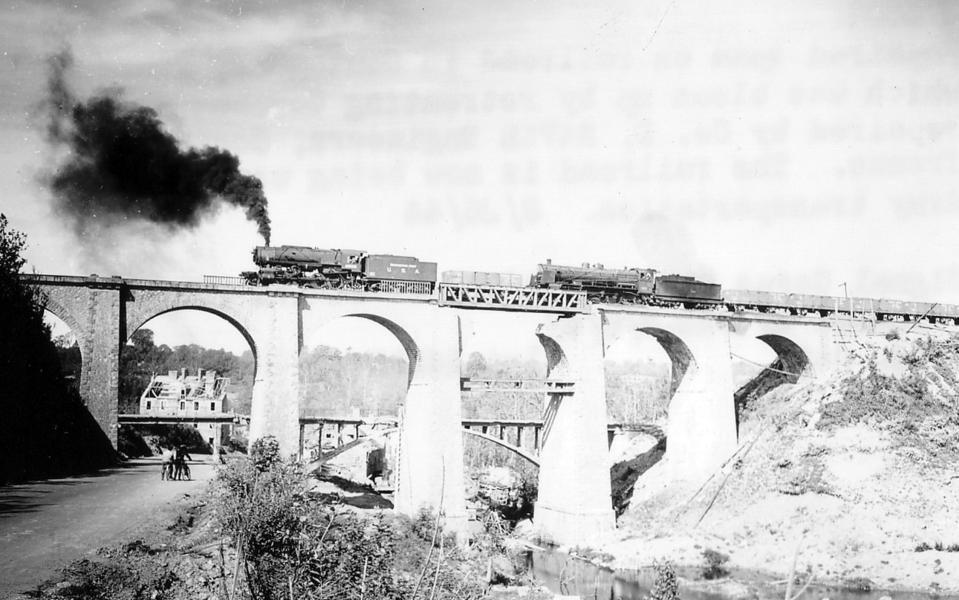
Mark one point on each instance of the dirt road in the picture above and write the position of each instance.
(46, 525)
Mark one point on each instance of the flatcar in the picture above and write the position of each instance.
(629, 285)
(341, 269)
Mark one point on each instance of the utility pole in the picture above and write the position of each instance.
(845, 293)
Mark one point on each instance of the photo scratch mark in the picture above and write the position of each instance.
(662, 18)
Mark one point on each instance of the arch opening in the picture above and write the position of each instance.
(183, 368)
(763, 368)
(501, 430)
(638, 374)
(355, 368)
(680, 356)
(643, 374)
(67, 345)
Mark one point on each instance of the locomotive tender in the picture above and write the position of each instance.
(359, 270)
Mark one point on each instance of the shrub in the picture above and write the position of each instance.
(265, 453)
(715, 562)
(290, 545)
(666, 586)
(236, 442)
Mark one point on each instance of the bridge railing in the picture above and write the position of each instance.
(526, 386)
(224, 280)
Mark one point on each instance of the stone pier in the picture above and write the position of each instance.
(574, 504)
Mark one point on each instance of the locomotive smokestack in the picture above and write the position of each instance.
(122, 164)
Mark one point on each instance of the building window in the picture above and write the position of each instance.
(182, 405)
(162, 404)
(212, 406)
(148, 405)
(196, 406)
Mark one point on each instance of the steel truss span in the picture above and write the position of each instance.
(512, 298)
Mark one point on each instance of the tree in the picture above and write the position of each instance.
(476, 365)
(45, 429)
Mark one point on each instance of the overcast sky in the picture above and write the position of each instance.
(788, 145)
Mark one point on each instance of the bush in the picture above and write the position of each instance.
(236, 442)
(265, 453)
(715, 562)
(666, 586)
(292, 545)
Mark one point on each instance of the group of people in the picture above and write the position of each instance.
(174, 465)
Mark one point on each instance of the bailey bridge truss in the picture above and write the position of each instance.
(511, 298)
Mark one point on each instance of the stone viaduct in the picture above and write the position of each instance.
(574, 503)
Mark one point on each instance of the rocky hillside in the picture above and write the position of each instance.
(855, 477)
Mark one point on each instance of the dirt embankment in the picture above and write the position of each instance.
(854, 477)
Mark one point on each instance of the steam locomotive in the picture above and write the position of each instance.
(629, 285)
(341, 269)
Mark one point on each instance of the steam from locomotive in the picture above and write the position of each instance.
(122, 164)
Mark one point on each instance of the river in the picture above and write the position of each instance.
(563, 574)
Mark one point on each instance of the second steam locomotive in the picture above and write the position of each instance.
(629, 285)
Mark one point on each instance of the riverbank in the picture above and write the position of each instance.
(852, 478)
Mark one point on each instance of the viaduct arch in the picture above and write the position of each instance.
(430, 468)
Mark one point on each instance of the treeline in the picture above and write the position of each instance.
(339, 383)
(45, 430)
(141, 358)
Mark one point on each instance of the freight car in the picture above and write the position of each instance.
(341, 269)
(823, 306)
(629, 285)
(483, 278)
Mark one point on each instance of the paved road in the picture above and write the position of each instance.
(45, 525)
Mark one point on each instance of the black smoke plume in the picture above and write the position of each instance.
(123, 164)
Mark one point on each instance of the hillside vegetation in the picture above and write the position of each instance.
(853, 476)
(45, 430)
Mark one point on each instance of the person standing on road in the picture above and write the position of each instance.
(166, 463)
(180, 458)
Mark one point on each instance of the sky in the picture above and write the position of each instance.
(782, 145)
